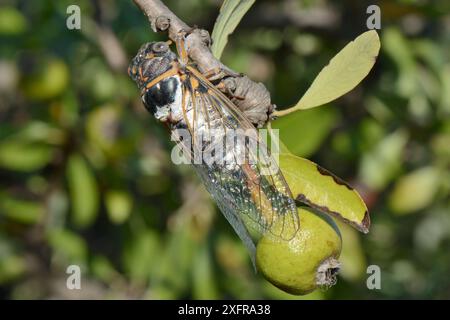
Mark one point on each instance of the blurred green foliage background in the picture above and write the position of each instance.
(86, 176)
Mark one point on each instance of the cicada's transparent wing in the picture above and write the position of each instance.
(249, 197)
(227, 205)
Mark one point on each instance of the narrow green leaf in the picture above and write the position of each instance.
(229, 17)
(348, 68)
(23, 211)
(203, 280)
(21, 155)
(319, 189)
(83, 191)
(139, 255)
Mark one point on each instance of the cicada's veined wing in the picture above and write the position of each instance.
(251, 199)
(215, 184)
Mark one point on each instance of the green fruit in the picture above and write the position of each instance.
(307, 261)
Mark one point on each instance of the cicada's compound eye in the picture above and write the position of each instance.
(160, 47)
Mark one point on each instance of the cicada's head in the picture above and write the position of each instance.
(153, 60)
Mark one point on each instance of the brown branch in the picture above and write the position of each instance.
(254, 98)
(162, 19)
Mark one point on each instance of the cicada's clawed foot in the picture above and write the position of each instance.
(185, 33)
(201, 33)
(219, 73)
(228, 87)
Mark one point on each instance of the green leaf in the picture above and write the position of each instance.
(203, 281)
(103, 269)
(12, 267)
(68, 246)
(23, 211)
(139, 255)
(383, 162)
(83, 191)
(348, 68)
(39, 131)
(304, 132)
(229, 17)
(320, 189)
(20, 155)
(415, 190)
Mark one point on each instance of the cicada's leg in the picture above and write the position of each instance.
(181, 47)
(225, 89)
(218, 73)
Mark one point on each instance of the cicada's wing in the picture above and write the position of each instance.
(227, 205)
(250, 198)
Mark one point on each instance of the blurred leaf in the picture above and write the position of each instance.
(429, 51)
(352, 255)
(175, 261)
(83, 191)
(66, 111)
(433, 229)
(101, 84)
(12, 22)
(103, 269)
(383, 162)
(445, 92)
(68, 246)
(303, 132)
(103, 126)
(348, 68)
(203, 275)
(399, 50)
(118, 204)
(22, 155)
(229, 17)
(49, 81)
(22, 211)
(140, 255)
(11, 268)
(322, 190)
(39, 131)
(440, 143)
(415, 190)
(397, 47)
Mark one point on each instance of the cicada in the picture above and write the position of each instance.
(177, 94)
